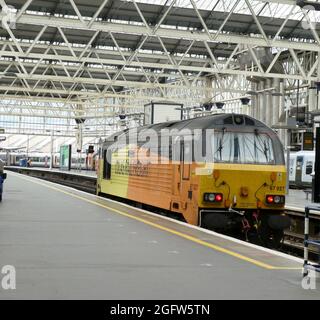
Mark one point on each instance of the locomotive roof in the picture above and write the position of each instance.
(208, 122)
(219, 120)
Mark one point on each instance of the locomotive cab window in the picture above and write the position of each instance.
(242, 147)
(107, 164)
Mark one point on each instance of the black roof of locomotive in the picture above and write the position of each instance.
(218, 120)
(208, 122)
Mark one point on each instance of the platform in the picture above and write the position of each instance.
(66, 244)
(82, 172)
(83, 180)
(296, 199)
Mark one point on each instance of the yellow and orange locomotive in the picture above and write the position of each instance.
(223, 172)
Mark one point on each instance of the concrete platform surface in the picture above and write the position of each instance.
(82, 172)
(297, 198)
(66, 244)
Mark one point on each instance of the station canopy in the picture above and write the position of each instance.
(99, 58)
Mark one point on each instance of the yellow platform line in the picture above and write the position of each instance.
(158, 226)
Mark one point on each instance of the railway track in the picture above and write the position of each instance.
(70, 179)
(294, 237)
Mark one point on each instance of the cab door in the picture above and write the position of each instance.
(182, 164)
(185, 160)
(299, 169)
(185, 165)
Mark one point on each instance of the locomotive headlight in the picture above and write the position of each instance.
(212, 197)
(277, 199)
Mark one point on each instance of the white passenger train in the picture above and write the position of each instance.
(301, 164)
(301, 168)
(42, 160)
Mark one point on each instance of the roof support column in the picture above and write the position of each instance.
(275, 102)
(312, 98)
(208, 89)
(282, 106)
(262, 104)
(254, 101)
(268, 103)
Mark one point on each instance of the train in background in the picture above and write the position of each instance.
(42, 160)
(301, 167)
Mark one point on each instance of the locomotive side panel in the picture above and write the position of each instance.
(162, 184)
(112, 178)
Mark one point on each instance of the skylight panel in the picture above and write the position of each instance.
(261, 8)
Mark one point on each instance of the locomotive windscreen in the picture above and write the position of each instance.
(241, 147)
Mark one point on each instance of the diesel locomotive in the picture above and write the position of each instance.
(224, 172)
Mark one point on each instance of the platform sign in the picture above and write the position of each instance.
(307, 141)
(157, 112)
(65, 157)
(2, 130)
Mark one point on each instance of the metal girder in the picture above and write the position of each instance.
(162, 32)
(87, 94)
(40, 47)
(139, 64)
(77, 74)
(54, 116)
(290, 2)
(91, 69)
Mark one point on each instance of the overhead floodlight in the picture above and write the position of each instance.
(317, 83)
(245, 101)
(219, 105)
(208, 106)
(80, 120)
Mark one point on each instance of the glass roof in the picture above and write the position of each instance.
(261, 8)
